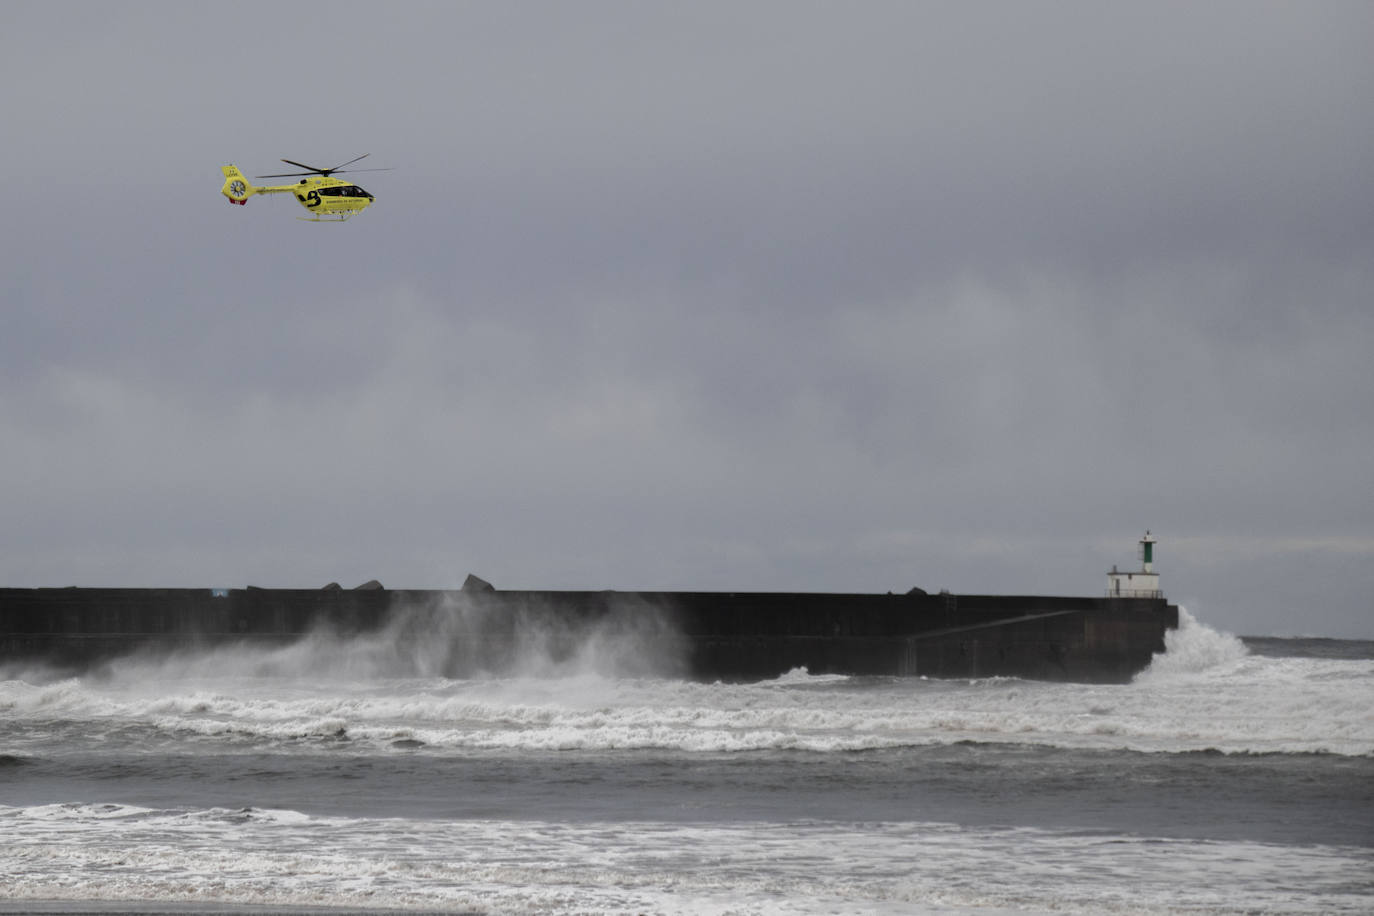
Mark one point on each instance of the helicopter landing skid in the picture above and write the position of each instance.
(338, 218)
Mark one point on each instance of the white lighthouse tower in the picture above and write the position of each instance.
(1141, 584)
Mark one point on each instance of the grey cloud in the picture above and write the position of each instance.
(763, 296)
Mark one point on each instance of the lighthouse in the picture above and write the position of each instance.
(1143, 583)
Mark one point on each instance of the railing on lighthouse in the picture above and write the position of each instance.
(1143, 583)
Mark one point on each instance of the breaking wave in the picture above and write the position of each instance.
(601, 689)
(1193, 648)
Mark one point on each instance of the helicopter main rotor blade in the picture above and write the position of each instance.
(326, 174)
(311, 168)
(341, 165)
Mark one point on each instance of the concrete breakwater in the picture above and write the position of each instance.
(704, 635)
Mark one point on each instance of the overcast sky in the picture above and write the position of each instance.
(745, 295)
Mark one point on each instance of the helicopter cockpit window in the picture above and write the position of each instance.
(347, 190)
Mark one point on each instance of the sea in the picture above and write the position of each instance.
(341, 775)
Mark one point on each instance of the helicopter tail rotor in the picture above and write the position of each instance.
(236, 187)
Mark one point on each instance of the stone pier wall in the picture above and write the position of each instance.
(706, 635)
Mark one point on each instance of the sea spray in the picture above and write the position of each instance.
(1193, 648)
(579, 689)
(450, 636)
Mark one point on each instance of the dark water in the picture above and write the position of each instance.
(1229, 778)
(1271, 798)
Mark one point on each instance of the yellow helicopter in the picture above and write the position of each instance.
(328, 199)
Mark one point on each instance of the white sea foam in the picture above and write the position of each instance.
(803, 677)
(1204, 692)
(286, 858)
